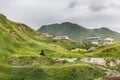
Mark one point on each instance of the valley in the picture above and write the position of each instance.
(25, 54)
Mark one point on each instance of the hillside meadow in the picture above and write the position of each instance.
(20, 59)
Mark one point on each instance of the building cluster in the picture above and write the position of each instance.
(47, 34)
(99, 40)
(93, 40)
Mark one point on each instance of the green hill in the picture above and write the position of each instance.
(20, 58)
(77, 32)
(19, 39)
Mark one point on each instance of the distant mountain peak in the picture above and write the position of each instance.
(79, 33)
(69, 23)
(66, 23)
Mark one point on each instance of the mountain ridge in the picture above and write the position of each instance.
(77, 32)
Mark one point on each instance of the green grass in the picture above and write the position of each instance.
(27, 64)
(27, 43)
(27, 46)
(63, 72)
(35, 61)
(106, 51)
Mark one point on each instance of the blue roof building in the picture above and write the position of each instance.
(94, 38)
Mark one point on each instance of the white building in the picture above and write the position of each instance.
(108, 40)
(62, 38)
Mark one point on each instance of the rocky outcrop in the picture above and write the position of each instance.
(99, 61)
(105, 64)
(112, 73)
(102, 61)
(111, 78)
(66, 59)
(13, 34)
(21, 27)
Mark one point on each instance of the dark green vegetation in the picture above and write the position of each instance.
(77, 32)
(30, 61)
(65, 72)
(20, 59)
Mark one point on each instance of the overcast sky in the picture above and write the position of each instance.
(87, 13)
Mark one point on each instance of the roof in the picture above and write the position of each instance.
(61, 37)
(111, 39)
(93, 38)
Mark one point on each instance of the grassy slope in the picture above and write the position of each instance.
(28, 43)
(61, 72)
(25, 44)
(106, 51)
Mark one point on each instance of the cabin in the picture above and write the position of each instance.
(94, 40)
(61, 38)
(108, 40)
(47, 34)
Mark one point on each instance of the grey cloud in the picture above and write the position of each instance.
(72, 4)
(97, 6)
(87, 13)
(114, 5)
